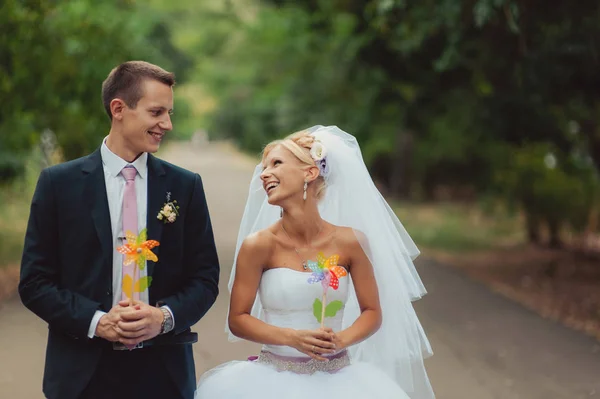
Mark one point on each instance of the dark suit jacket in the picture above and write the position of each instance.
(66, 269)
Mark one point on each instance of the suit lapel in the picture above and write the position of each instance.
(97, 201)
(156, 198)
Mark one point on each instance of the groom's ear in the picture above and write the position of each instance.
(117, 106)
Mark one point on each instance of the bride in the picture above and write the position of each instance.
(332, 267)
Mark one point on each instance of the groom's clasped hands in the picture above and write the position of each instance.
(130, 324)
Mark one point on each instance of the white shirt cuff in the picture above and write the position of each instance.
(97, 316)
(170, 312)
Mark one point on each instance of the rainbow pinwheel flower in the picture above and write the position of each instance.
(138, 249)
(326, 271)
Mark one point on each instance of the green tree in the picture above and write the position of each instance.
(55, 56)
(437, 92)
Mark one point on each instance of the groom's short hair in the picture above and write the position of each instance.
(125, 82)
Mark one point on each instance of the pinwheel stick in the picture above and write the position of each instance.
(132, 287)
(323, 309)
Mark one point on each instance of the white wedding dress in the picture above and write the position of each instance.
(282, 372)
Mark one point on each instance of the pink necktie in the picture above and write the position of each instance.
(130, 220)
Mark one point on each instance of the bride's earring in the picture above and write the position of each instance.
(305, 186)
(280, 212)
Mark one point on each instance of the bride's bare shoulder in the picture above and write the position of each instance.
(349, 236)
(261, 241)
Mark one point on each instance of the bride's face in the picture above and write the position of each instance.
(283, 175)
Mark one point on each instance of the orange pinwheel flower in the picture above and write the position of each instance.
(138, 249)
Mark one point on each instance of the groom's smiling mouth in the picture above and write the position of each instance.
(156, 135)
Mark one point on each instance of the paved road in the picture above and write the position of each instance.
(485, 346)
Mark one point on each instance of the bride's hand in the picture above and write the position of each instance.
(339, 341)
(314, 343)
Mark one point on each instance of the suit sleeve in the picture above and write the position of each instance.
(39, 287)
(201, 265)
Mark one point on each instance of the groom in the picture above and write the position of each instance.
(108, 338)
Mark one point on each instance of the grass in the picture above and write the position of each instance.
(459, 227)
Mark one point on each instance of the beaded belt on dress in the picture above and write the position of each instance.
(304, 365)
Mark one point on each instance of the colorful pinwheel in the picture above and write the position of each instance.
(137, 250)
(327, 272)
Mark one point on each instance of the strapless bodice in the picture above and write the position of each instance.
(288, 301)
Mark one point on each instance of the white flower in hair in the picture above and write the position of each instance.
(318, 151)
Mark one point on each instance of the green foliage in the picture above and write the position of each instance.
(14, 212)
(278, 75)
(11, 166)
(460, 227)
(436, 92)
(552, 187)
(55, 56)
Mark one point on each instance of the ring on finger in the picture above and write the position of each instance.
(313, 348)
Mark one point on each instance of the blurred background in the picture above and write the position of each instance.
(478, 119)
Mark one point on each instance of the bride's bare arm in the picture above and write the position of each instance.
(367, 294)
(252, 257)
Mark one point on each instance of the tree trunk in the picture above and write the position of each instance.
(591, 130)
(400, 177)
(532, 224)
(554, 230)
(594, 140)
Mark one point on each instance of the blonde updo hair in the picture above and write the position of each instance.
(299, 144)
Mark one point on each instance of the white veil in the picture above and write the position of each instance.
(351, 199)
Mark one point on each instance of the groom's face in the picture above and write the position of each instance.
(145, 125)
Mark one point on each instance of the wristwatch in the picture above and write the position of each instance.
(167, 323)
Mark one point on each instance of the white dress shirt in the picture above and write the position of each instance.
(115, 188)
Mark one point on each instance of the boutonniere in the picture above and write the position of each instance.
(169, 211)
